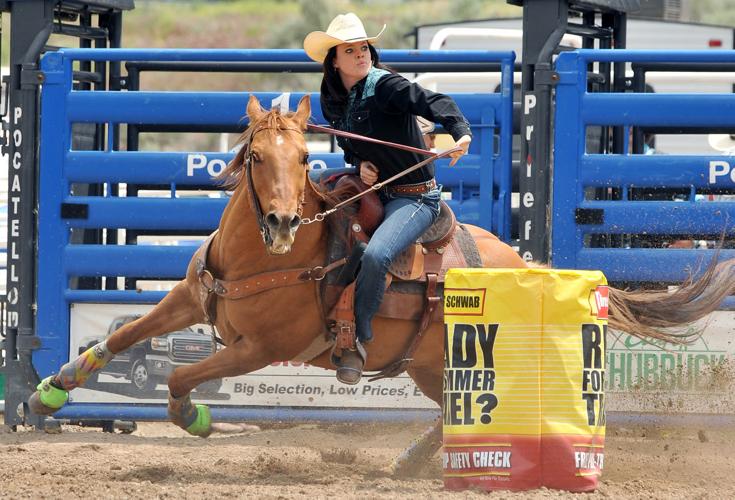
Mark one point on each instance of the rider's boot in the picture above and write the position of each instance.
(353, 357)
(351, 363)
(348, 355)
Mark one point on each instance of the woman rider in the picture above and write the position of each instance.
(359, 95)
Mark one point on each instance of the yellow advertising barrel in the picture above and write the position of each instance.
(524, 373)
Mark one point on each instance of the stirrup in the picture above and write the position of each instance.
(351, 375)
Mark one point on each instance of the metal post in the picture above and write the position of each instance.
(31, 24)
(544, 24)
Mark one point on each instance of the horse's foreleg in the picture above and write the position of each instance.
(177, 310)
(237, 359)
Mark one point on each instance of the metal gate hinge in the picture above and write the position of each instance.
(27, 342)
(545, 77)
(120, 82)
(589, 216)
(74, 211)
(31, 77)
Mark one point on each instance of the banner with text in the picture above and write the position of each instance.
(641, 376)
(655, 376)
(139, 374)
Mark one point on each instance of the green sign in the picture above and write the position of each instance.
(634, 364)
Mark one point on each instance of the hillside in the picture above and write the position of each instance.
(283, 24)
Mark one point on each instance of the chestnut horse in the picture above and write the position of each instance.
(271, 196)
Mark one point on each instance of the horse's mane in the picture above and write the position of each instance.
(273, 120)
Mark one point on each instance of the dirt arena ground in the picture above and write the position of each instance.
(311, 461)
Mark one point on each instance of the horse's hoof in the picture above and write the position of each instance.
(414, 458)
(47, 399)
(406, 467)
(37, 407)
(202, 426)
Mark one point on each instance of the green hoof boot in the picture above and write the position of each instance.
(202, 426)
(47, 399)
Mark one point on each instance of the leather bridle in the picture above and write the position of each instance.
(265, 232)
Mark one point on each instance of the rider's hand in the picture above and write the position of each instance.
(368, 173)
(464, 143)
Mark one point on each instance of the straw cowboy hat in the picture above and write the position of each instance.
(721, 142)
(345, 28)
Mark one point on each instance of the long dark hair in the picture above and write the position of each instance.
(334, 94)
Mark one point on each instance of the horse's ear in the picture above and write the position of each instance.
(303, 112)
(255, 112)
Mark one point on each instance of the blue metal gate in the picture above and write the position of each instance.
(578, 173)
(480, 187)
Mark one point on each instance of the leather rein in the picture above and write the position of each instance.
(263, 227)
(378, 185)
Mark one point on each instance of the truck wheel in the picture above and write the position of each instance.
(141, 378)
(209, 387)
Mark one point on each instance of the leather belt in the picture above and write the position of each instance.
(419, 188)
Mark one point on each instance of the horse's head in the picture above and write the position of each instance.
(276, 166)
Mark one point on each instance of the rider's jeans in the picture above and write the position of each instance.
(406, 218)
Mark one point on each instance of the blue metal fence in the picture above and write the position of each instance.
(576, 217)
(481, 186)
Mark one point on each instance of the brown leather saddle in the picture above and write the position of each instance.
(416, 277)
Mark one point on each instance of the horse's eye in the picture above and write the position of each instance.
(306, 159)
(256, 157)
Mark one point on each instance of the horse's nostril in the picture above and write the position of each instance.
(272, 220)
(295, 222)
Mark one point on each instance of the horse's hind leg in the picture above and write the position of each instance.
(413, 458)
(177, 310)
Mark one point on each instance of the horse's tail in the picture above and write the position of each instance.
(644, 312)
